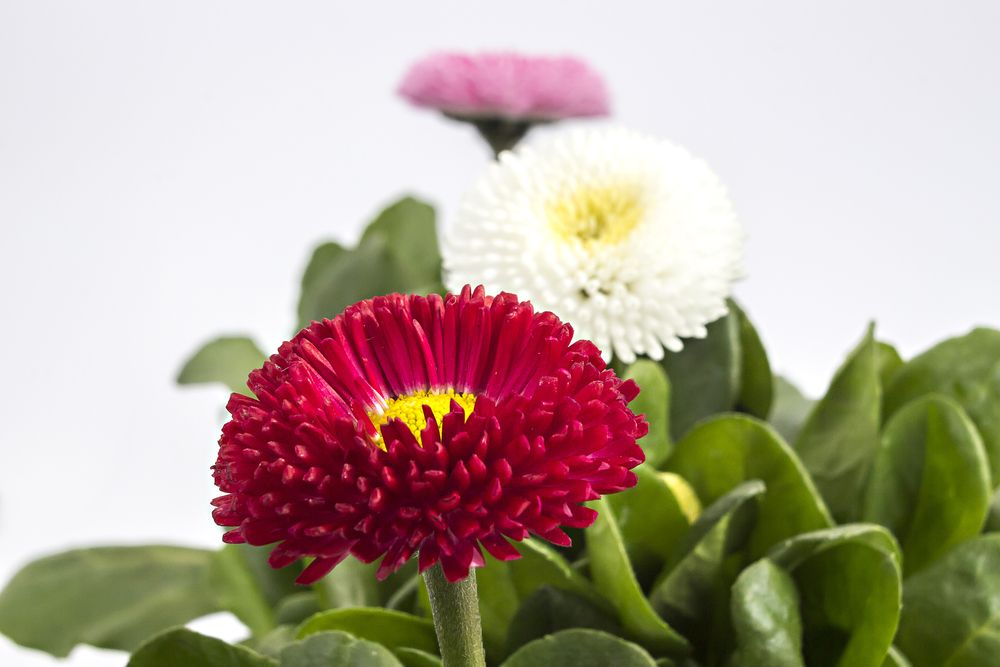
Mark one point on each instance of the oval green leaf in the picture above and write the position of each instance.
(392, 629)
(549, 610)
(653, 516)
(705, 375)
(951, 610)
(111, 597)
(838, 442)
(931, 483)
(724, 452)
(227, 360)
(653, 401)
(966, 369)
(181, 646)
(580, 648)
(848, 581)
(766, 618)
(756, 379)
(613, 576)
(789, 409)
(336, 649)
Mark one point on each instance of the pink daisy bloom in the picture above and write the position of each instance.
(428, 425)
(504, 94)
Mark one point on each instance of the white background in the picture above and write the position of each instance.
(166, 167)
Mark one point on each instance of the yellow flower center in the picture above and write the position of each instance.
(410, 410)
(602, 215)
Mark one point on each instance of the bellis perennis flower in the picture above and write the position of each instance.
(629, 238)
(427, 425)
(504, 94)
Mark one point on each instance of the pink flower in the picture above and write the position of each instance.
(507, 86)
(409, 424)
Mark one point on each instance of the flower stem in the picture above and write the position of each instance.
(455, 608)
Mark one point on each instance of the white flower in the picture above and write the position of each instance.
(629, 238)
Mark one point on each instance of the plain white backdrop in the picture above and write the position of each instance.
(166, 167)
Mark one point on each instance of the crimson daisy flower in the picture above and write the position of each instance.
(424, 424)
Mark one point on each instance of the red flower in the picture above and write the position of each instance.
(424, 424)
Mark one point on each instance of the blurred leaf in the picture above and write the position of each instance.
(411, 657)
(273, 642)
(410, 234)
(398, 252)
(613, 576)
(337, 649)
(111, 597)
(951, 610)
(992, 524)
(549, 610)
(895, 658)
(838, 442)
(692, 595)
(653, 517)
(296, 608)
(580, 648)
(966, 369)
(789, 410)
(653, 401)
(181, 646)
(704, 376)
(889, 363)
(227, 360)
(848, 581)
(238, 591)
(930, 484)
(393, 629)
(503, 586)
(766, 618)
(756, 379)
(724, 452)
(350, 584)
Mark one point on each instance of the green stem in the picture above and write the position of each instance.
(455, 608)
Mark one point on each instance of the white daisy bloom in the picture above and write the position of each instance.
(629, 238)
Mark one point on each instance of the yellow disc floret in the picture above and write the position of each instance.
(601, 215)
(410, 410)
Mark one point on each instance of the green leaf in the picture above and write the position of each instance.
(653, 401)
(273, 642)
(966, 369)
(238, 591)
(895, 658)
(789, 410)
(848, 581)
(992, 524)
(692, 595)
(503, 586)
(839, 440)
(653, 516)
(704, 376)
(337, 649)
(411, 657)
(181, 646)
(931, 483)
(227, 360)
(766, 618)
(889, 363)
(580, 648)
(613, 576)
(111, 597)
(951, 610)
(756, 379)
(398, 252)
(393, 629)
(724, 452)
(410, 234)
(550, 610)
(350, 584)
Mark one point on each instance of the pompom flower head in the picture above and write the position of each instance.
(629, 238)
(504, 94)
(428, 425)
